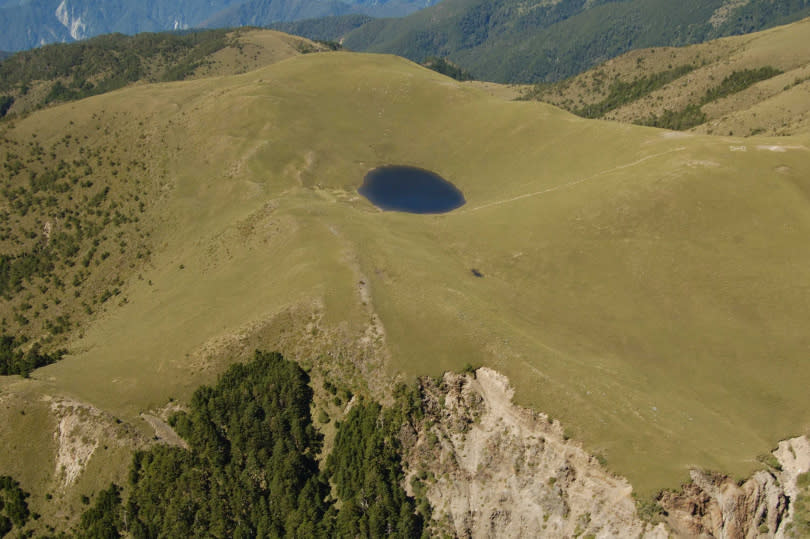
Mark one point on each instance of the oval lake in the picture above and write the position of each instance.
(410, 189)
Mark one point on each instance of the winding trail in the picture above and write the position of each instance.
(575, 182)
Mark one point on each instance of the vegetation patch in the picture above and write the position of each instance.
(105, 518)
(5, 103)
(800, 527)
(251, 469)
(649, 508)
(14, 361)
(641, 86)
(677, 120)
(446, 67)
(365, 466)
(14, 512)
(739, 81)
(622, 93)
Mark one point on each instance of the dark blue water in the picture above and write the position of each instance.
(410, 189)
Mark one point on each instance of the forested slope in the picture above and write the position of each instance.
(251, 469)
(517, 41)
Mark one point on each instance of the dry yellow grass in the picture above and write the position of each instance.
(252, 49)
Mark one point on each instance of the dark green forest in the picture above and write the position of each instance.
(739, 81)
(5, 103)
(14, 513)
(14, 361)
(445, 67)
(251, 468)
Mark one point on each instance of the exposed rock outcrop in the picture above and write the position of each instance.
(80, 430)
(490, 468)
(714, 505)
(493, 469)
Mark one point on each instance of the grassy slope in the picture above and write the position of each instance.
(646, 289)
(86, 220)
(778, 106)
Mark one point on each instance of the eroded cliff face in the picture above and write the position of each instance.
(493, 469)
(490, 468)
(714, 505)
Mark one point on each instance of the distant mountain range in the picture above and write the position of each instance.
(547, 40)
(500, 40)
(25, 24)
(267, 12)
(32, 23)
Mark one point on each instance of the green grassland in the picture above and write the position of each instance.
(742, 85)
(647, 288)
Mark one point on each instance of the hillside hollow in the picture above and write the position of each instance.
(410, 189)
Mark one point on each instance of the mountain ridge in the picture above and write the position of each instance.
(509, 41)
(39, 22)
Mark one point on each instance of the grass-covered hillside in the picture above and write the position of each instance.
(74, 225)
(528, 42)
(67, 72)
(744, 85)
(644, 287)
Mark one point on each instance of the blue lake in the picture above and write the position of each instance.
(411, 190)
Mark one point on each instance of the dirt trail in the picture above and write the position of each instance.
(573, 183)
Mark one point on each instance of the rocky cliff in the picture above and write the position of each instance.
(490, 468)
